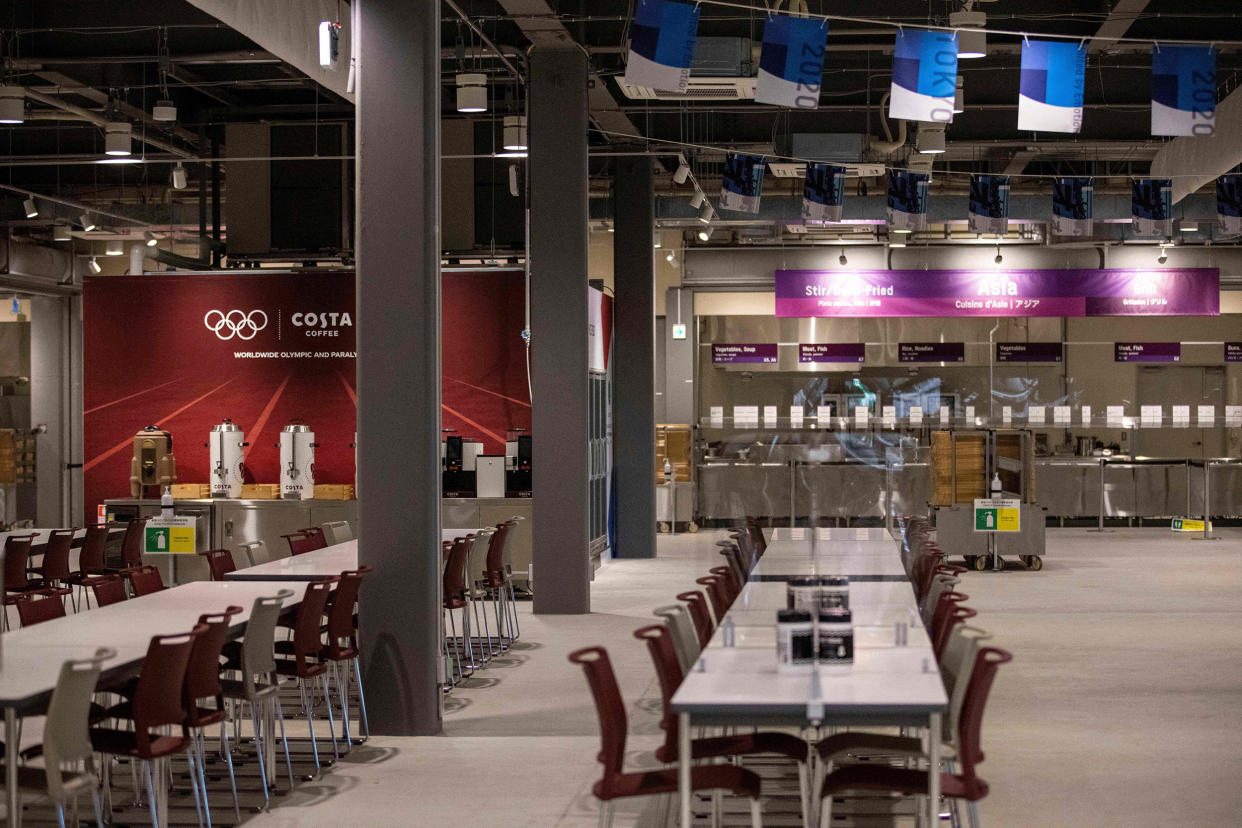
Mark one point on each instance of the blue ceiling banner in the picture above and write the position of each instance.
(1229, 204)
(1151, 201)
(1072, 207)
(662, 45)
(1183, 90)
(1050, 96)
(989, 203)
(791, 65)
(823, 190)
(742, 185)
(907, 200)
(924, 76)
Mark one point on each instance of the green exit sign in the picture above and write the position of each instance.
(679, 331)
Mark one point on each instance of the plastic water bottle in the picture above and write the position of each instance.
(166, 503)
(727, 631)
(996, 486)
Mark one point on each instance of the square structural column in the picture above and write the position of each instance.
(398, 131)
(558, 321)
(634, 358)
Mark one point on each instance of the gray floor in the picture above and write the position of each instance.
(1121, 707)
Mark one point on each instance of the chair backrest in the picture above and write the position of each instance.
(506, 556)
(91, 557)
(685, 639)
(307, 640)
(315, 533)
(66, 733)
(32, 610)
(699, 614)
(338, 531)
(940, 635)
(969, 752)
(145, 580)
(300, 543)
(496, 549)
(220, 562)
(202, 673)
(109, 589)
(259, 645)
(716, 595)
(730, 585)
(56, 554)
(737, 563)
(660, 644)
(16, 559)
(341, 613)
(476, 557)
(157, 698)
(956, 663)
(257, 552)
(131, 547)
(940, 584)
(610, 708)
(455, 568)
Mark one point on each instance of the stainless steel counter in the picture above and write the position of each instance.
(1070, 487)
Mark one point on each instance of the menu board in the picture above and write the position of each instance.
(1233, 352)
(764, 353)
(1029, 352)
(832, 352)
(1147, 352)
(931, 351)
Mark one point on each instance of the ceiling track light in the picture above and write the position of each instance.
(999, 258)
(152, 239)
(472, 92)
(178, 177)
(87, 224)
(31, 209)
(931, 139)
(61, 233)
(683, 170)
(12, 105)
(706, 213)
(164, 111)
(117, 138)
(972, 40)
(959, 96)
(705, 234)
(95, 268)
(696, 201)
(515, 138)
(114, 247)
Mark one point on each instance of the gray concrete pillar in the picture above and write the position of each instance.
(558, 306)
(679, 392)
(634, 360)
(398, 130)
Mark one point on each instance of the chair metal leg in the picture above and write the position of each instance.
(155, 817)
(280, 716)
(467, 635)
(341, 675)
(756, 814)
(605, 814)
(60, 814)
(804, 793)
(260, 745)
(327, 701)
(310, 723)
(95, 800)
(456, 651)
(487, 634)
(228, 758)
(517, 625)
(362, 700)
(197, 747)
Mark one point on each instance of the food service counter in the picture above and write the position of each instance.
(1071, 487)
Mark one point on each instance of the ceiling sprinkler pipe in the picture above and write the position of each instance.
(890, 144)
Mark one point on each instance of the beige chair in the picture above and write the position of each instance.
(256, 552)
(337, 531)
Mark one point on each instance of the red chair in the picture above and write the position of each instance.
(716, 594)
(144, 580)
(157, 704)
(496, 580)
(202, 681)
(31, 611)
(108, 589)
(731, 584)
(668, 671)
(316, 533)
(131, 546)
(90, 561)
(453, 586)
(342, 649)
(16, 582)
(300, 543)
(55, 567)
(965, 784)
(616, 783)
(219, 562)
(702, 619)
(305, 664)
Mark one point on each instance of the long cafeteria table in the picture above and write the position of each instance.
(316, 564)
(888, 685)
(32, 656)
(861, 554)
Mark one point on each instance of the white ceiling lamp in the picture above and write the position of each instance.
(683, 170)
(999, 258)
(696, 201)
(115, 247)
(87, 224)
(515, 138)
(959, 96)
(117, 138)
(152, 239)
(472, 92)
(972, 39)
(895, 244)
(658, 242)
(931, 139)
(178, 177)
(706, 213)
(12, 104)
(329, 44)
(705, 234)
(95, 268)
(164, 111)
(32, 209)
(901, 231)
(60, 232)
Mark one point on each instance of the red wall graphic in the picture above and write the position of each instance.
(184, 351)
(483, 359)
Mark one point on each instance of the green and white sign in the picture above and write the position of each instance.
(1189, 525)
(998, 514)
(170, 536)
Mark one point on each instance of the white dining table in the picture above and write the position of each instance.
(887, 685)
(319, 563)
(32, 656)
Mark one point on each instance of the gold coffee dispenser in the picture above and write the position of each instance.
(153, 463)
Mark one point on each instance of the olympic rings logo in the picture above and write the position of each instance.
(235, 323)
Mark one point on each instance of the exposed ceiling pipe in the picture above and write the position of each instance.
(99, 120)
(890, 144)
(487, 41)
(77, 206)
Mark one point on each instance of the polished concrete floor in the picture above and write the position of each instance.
(1121, 708)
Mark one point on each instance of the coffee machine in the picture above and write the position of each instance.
(459, 459)
(517, 466)
(297, 462)
(153, 463)
(227, 443)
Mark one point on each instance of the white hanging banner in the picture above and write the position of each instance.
(1183, 90)
(924, 76)
(907, 200)
(823, 191)
(1229, 204)
(1050, 96)
(989, 204)
(742, 186)
(791, 65)
(1072, 206)
(662, 45)
(1151, 202)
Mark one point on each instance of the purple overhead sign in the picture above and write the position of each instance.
(1147, 352)
(832, 352)
(764, 353)
(1115, 292)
